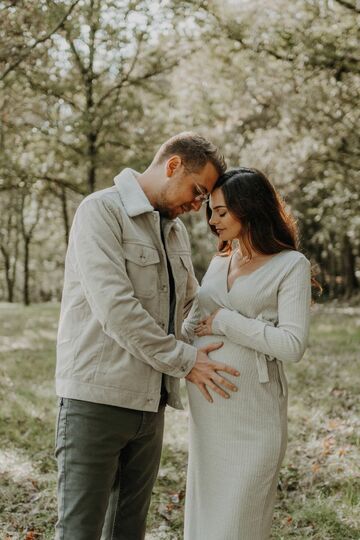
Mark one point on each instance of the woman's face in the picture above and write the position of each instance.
(227, 227)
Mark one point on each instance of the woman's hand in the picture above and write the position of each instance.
(204, 327)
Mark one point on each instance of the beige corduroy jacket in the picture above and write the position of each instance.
(112, 343)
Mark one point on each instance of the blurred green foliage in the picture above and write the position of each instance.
(88, 87)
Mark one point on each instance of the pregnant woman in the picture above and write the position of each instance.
(256, 300)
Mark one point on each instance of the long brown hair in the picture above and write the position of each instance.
(266, 225)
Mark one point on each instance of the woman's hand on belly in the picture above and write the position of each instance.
(204, 327)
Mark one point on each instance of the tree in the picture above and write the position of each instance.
(282, 92)
(25, 26)
(9, 241)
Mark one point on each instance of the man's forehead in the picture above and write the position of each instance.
(208, 177)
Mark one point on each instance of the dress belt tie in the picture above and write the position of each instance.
(263, 372)
(262, 360)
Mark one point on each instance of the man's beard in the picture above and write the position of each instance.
(167, 212)
(163, 208)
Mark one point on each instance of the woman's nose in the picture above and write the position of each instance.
(212, 220)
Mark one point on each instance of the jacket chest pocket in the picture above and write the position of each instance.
(143, 265)
(182, 266)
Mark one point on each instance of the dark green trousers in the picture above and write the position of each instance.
(108, 459)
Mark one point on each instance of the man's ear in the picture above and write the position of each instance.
(172, 165)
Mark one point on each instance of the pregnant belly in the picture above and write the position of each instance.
(255, 407)
(229, 353)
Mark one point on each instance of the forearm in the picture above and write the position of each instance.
(286, 343)
(287, 340)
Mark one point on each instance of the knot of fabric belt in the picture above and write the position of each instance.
(262, 360)
(263, 372)
(262, 368)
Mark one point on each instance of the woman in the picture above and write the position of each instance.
(256, 300)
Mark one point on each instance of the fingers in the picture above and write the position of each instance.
(226, 368)
(221, 381)
(212, 347)
(204, 392)
(218, 390)
(203, 389)
(202, 330)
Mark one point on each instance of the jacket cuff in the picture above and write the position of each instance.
(188, 360)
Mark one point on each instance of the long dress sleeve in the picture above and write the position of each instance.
(287, 340)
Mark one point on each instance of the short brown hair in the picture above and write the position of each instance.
(194, 150)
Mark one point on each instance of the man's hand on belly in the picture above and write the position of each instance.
(205, 374)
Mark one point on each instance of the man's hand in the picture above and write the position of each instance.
(205, 374)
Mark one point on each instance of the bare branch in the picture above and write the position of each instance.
(47, 36)
(62, 183)
(349, 5)
(125, 77)
(78, 60)
(119, 144)
(50, 91)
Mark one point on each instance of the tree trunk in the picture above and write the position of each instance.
(89, 82)
(10, 283)
(91, 180)
(65, 214)
(7, 270)
(26, 296)
(348, 263)
(332, 272)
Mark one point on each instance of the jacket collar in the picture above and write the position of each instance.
(133, 197)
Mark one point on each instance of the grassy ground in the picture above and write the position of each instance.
(319, 488)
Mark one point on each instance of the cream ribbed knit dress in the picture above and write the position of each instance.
(237, 445)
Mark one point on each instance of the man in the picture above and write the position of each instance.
(129, 283)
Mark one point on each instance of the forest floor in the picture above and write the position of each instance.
(319, 487)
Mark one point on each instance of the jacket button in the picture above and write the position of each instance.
(164, 288)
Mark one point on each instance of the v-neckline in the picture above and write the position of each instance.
(228, 290)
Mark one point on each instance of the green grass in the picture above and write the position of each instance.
(319, 488)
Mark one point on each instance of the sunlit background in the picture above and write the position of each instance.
(91, 86)
(88, 87)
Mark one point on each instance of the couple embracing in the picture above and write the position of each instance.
(134, 321)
